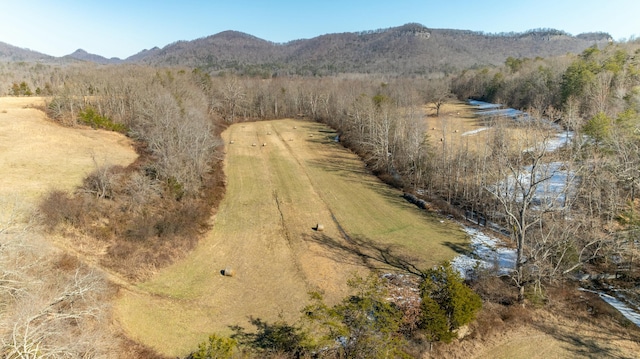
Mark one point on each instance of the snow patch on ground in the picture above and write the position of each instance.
(473, 132)
(481, 105)
(619, 305)
(487, 252)
(560, 140)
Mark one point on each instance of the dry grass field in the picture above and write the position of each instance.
(580, 326)
(294, 177)
(264, 231)
(37, 155)
(458, 127)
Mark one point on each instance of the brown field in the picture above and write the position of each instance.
(276, 194)
(579, 326)
(456, 118)
(263, 230)
(37, 155)
(456, 126)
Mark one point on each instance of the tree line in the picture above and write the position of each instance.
(595, 96)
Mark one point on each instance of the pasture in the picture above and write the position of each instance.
(264, 231)
(284, 177)
(37, 155)
(458, 128)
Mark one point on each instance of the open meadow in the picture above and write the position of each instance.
(459, 128)
(283, 179)
(37, 155)
(456, 126)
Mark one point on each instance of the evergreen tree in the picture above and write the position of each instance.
(447, 303)
(365, 324)
(215, 347)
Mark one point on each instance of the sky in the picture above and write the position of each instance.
(121, 28)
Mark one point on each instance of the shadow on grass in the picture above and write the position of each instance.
(363, 251)
(459, 248)
(605, 326)
(342, 167)
(277, 337)
(594, 346)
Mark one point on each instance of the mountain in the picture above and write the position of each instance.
(142, 54)
(407, 49)
(10, 53)
(223, 50)
(82, 55)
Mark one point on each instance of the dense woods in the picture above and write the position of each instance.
(152, 212)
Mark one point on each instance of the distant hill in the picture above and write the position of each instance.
(82, 55)
(228, 49)
(407, 49)
(142, 54)
(10, 53)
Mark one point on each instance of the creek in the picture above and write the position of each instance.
(490, 252)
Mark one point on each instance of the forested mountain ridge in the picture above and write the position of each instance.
(82, 55)
(10, 53)
(407, 49)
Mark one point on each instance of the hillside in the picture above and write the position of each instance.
(10, 53)
(82, 55)
(408, 49)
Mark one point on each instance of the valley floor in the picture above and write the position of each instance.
(284, 178)
(294, 178)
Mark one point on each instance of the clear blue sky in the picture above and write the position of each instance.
(121, 28)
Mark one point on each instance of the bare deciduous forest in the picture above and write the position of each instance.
(152, 212)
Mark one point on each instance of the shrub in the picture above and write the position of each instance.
(274, 338)
(435, 321)
(447, 303)
(175, 188)
(90, 117)
(102, 181)
(58, 207)
(365, 324)
(215, 347)
(141, 227)
(185, 219)
(21, 89)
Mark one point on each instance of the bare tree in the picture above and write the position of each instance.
(438, 92)
(50, 305)
(599, 92)
(523, 194)
(232, 96)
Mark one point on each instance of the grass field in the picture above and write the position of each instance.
(458, 127)
(37, 155)
(276, 194)
(294, 177)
